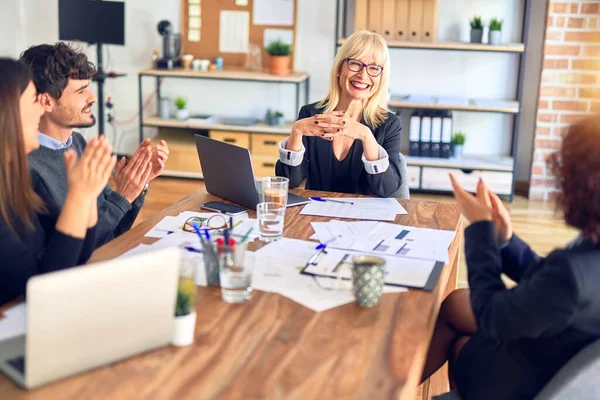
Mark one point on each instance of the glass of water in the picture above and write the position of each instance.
(270, 218)
(235, 272)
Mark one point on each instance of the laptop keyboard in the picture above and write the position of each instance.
(18, 363)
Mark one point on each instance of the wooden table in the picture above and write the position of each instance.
(274, 348)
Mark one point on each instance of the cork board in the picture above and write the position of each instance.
(208, 46)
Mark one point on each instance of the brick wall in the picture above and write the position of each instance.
(570, 84)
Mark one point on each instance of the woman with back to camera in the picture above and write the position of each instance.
(348, 142)
(508, 343)
(32, 242)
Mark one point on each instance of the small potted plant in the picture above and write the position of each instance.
(496, 31)
(458, 144)
(477, 26)
(279, 118)
(185, 319)
(279, 57)
(182, 112)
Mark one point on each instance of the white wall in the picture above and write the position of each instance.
(11, 30)
(429, 72)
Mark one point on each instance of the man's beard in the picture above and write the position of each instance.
(85, 124)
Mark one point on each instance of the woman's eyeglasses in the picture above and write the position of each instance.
(216, 222)
(355, 65)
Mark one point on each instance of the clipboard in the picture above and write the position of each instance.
(429, 285)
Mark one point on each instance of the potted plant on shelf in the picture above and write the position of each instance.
(185, 319)
(496, 31)
(477, 26)
(182, 112)
(458, 144)
(279, 57)
(279, 120)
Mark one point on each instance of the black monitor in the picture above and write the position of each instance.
(92, 21)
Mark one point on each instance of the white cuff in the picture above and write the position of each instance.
(377, 166)
(289, 157)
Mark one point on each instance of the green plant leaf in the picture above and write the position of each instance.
(477, 22)
(279, 48)
(458, 138)
(180, 103)
(184, 304)
(496, 24)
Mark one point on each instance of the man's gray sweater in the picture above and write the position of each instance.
(115, 214)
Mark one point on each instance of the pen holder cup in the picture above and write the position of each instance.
(368, 279)
(211, 263)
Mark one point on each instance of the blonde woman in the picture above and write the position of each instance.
(348, 142)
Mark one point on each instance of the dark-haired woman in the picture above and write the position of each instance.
(508, 343)
(32, 242)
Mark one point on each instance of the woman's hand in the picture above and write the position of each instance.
(501, 218)
(313, 126)
(319, 124)
(341, 125)
(89, 175)
(474, 208)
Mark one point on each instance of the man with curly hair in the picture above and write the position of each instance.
(62, 79)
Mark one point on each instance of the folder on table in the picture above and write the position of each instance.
(414, 136)
(436, 134)
(425, 150)
(446, 147)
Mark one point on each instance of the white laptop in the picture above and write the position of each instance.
(85, 317)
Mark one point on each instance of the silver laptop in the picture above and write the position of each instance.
(86, 317)
(228, 173)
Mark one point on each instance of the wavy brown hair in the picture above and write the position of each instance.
(577, 168)
(18, 201)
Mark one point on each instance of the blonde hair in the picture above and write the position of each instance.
(358, 45)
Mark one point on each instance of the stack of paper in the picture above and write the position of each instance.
(170, 224)
(278, 267)
(13, 323)
(384, 238)
(363, 208)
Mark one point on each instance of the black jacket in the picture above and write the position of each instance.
(527, 333)
(316, 166)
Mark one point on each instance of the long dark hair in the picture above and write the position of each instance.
(18, 200)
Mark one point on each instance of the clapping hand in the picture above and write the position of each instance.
(484, 206)
(89, 175)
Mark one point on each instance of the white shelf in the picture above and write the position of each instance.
(488, 163)
(258, 128)
(227, 74)
(456, 46)
(480, 105)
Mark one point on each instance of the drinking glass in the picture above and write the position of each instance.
(270, 217)
(275, 190)
(235, 270)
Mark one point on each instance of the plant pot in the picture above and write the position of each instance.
(457, 150)
(182, 115)
(280, 65)
(476, 35)
(184, 329)
(495, 38)
(164, 108)
(280, 121)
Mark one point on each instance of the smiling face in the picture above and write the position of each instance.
(31, 111)
(74, 108)
(354, 79)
